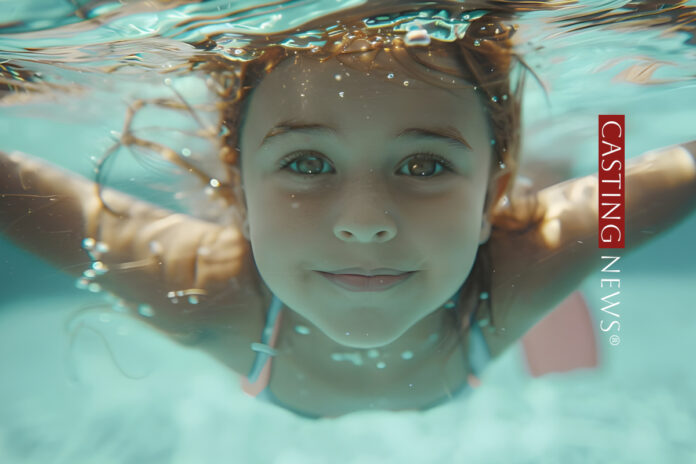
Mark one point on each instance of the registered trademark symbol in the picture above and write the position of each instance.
(614, 340)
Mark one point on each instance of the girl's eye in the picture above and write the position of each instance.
(303, 164)
(421, 165)
(426, 165)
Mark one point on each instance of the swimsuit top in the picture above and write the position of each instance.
(256, 383)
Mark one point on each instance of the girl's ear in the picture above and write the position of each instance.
(496, 190)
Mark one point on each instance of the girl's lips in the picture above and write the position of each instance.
(359, 283)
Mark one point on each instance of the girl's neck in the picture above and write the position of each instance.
(433, 338)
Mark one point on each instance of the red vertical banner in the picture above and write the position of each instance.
(612, 174)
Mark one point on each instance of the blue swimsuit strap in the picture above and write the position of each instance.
(264, 350)
(479, 354)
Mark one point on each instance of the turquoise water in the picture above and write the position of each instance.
(66, 400)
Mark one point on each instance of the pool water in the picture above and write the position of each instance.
(97, 386)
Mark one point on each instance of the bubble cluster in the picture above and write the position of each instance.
(354, 358)
(95, 250)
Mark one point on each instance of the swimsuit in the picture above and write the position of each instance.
(256, 383)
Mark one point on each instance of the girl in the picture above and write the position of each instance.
(383, 257)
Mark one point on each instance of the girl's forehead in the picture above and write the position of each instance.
(354, 101)
(308, 86)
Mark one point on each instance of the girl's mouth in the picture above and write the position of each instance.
(359, 283)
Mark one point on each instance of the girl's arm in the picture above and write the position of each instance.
(537, 269)
(150, 252)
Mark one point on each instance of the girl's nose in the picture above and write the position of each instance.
(365, 233)
(365, 224)
(364, 216)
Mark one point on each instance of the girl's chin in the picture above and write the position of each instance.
(364, 340)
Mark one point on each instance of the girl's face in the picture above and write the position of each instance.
(336, 175)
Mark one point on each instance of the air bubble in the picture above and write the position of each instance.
(193, 299)
(372, 354)
(186, 152)
(340, 94)
(302, 330)
(381, 365)
(156, 248)
(102, 247)
(146, 310)
(406, 83)
(94, 287)
(407, 355)
(477, 43)
(390, 76)
(120, 306)
(337, 77)
(483, 296)
(88, 243)
(99, 268)
(214, 183)
(494, 99)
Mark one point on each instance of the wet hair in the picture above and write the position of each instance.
(484, 57)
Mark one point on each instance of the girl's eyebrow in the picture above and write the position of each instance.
(448, 134)
(296, 126)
